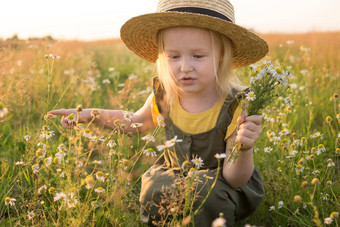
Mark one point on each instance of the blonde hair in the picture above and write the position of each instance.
(225, 77)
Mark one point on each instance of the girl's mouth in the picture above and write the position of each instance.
(187, 80)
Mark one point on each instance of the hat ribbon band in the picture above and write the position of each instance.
(198, 10)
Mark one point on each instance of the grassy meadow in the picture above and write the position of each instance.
(90, 176)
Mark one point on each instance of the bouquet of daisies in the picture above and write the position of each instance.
(267, 82)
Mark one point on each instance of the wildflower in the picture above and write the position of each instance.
(87, 133)
(111, 143)
(41, 189)
(148, 138)
(99, 190)
(97, 162)
(35, 168)
(280, 205)
(94, 113)
(317, 135)
(271, 208)
(198, 162)
(293, 153)
(284, 131)
(288, 101)
(10, 201)
(27, 137)
(329, 182)
(123, 127)
(219, 222)
(79, 108)
(100, 176)
(60, 154)
(330, 163)
(250, 96)
(19, 163)
(192, 172)
(149, 152)
(136, 125)
(3, 110)
(169, 143)
(297, 198)
(315, 181)
(106, 81)
(61, 147)
(51, 190)
(40, 153)
(268, 149)
(112, 152)
(324, 197)
(185, 165)
(127, 116)
(160, 121)
(328, 221)
(71, 118)
(30, 215)
(329, 119)
(60, 196)
(89, 181)
(334, 215)
(220, 156)
(299, 169)
(47, 134)
(97, 139)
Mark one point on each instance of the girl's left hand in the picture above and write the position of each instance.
(249, 130)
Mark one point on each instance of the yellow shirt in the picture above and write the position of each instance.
(194, 123)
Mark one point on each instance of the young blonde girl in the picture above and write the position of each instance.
(195, 45)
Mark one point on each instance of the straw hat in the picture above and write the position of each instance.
(139, 33)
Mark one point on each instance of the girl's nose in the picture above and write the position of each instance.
(186, 65)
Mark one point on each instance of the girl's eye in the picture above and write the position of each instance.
(173, 56)
(198, 56)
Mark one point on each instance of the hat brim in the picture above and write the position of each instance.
(139, 34)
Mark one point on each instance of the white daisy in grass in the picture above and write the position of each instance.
(220, 156)
(250, 96)
(111, 143)
(268, 149)
(149, 152)
(99, 190)
(97, 139)
(87, 133)
(127, 116)
(10, 201)
(27, 137)
(100, 176)
(148, 138)
(328, 221)
(71, 118)
(198, 162)
(136, 125)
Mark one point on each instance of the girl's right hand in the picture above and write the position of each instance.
(66, 122)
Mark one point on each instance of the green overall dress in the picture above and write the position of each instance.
(159, 183)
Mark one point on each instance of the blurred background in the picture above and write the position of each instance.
(88, 20)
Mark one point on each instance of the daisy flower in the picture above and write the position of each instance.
(250, 96)
(10, 201)
(27, 137)
(220, 156)
(127, 116)
(328, 221)
(111, 143)
(149, 152)
(136, 125)
(268, 149)
(148, 138)
(198, 162)
(99, 190)
(100, 176)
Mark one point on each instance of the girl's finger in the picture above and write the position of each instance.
(61, 112)
(242, 117)
(256, 119)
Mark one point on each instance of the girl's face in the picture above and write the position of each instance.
(192, 60)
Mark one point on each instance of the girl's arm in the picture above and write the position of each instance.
(238, 173)
(106, 118)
